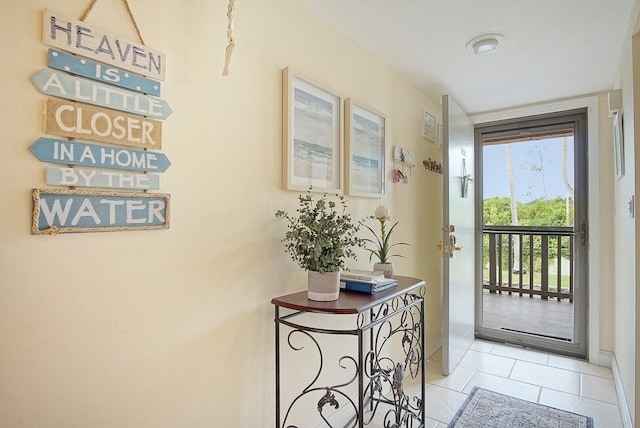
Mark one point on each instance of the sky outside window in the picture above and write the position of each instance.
(537, 169)
(537, 177)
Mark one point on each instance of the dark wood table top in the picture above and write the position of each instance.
(349, 302)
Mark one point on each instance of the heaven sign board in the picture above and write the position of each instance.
(77, 120)
(63, 85)
(77, 153)
(66, 211)
(102, 73)
(91, 42)
(85, 177)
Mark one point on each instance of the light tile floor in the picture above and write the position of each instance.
(561, 382)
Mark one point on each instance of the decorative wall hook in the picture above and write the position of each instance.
(432, 165)
(405, 161)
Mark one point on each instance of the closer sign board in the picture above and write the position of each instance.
(102, 73)
(86, 177)
(63, 85)
(66, 211)
(78, 153)
(82, 39)
(78, 120)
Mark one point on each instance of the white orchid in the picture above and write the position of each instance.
(381, 213)
(382, 244)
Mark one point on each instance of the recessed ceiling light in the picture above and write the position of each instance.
(485, 44)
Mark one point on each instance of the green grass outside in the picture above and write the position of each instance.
(537, 279)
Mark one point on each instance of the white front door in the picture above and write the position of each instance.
(458, 237)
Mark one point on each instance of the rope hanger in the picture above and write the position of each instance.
(126, 4)
(230, 42)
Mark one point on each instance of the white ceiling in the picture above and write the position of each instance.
(553, 49)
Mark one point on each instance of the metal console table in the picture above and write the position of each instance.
(387, 376)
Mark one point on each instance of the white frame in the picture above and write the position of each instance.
(429, 126)
(365, 150)
(319, 166)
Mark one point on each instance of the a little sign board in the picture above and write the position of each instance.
(63, 85)
(88, 177)
(68, 211)
(78, 120)
(102, 73)
(98, 155)
(85, 40)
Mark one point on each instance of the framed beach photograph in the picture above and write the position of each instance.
(312, 134)
(365, 150)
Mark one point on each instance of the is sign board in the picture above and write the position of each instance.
(89, 41)
(78, 120)
(66, 211)
(86, 177)
(63, 85)
(97, 155)
(102, 73)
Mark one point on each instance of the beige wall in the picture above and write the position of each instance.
(624, 286)
(175, 328)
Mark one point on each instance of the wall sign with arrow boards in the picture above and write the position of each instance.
(103, 89)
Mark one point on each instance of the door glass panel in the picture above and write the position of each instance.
(528, 233)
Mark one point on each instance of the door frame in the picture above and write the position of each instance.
(553, 122)
(591, 104)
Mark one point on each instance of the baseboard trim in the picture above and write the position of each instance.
(605, 359)
(625, 412)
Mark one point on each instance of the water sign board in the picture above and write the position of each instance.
(63, 85)
(78, 120)
(85, 177)
(93, 43)
(69, 211)
(97, 155)
(102, 73)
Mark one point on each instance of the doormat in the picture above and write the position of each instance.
(484, 408)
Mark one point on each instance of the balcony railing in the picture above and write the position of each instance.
(533, 261)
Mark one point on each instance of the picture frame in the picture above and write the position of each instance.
(365, 150)
(429, 126)
(312, 135)
(618, 142)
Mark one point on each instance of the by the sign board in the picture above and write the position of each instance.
(82, 39)
(102, 73)
(63, 85)
(78, 120)
(85, 177)
(97, 155)
(65, 211)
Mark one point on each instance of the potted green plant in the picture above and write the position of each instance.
(382, 244)
(320, 237)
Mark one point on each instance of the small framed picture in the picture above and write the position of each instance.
(429, 126)
(312, 135)
(618, 141)
(365, 150)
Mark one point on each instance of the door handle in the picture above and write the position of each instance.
(449, 249)
(453, 247)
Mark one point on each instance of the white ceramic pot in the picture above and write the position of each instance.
(323, 287)
(387, 268)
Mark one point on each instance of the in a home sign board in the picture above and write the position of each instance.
(105, 89)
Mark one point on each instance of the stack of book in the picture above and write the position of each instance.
(370, 282)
